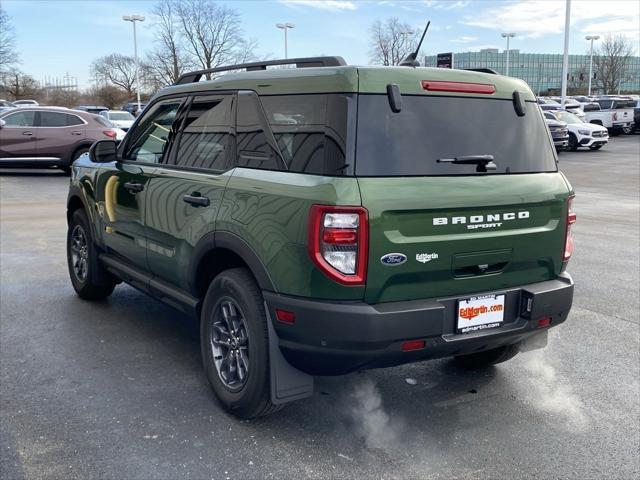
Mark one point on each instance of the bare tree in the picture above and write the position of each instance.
(8, 53)
(391, 41)
(212, 33)
(117, 69)
(610, 62)
(19, 85)
(169, 59)
(110, 96)
(578, 80)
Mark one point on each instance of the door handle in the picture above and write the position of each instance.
(27, 133)
(76, 132)
(196, 201)
(133, 187)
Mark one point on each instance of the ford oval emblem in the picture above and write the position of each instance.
(392, 259)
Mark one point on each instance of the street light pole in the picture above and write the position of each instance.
(592, 38)
(285, 27)
(508, 36)
(565, 55)
(133, 19)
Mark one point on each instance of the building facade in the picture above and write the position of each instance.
(542, 71)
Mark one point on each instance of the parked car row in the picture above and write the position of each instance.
(619, 114)
(38, 136)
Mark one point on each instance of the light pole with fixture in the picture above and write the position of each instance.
(285, 27)
(508, 36)
(133, 19)
(592, 38)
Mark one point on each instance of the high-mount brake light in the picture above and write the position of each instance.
(571, 219)
(460, 87)
(338, 242)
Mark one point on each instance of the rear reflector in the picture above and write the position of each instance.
(284, 316)
(461, 87)
(413, 345)
(571, 219)
(544, 322)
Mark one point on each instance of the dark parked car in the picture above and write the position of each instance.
(92, 108)
(47, 136)
(560, 134)
(132, 107)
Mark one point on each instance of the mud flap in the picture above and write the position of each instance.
(287, 382)
(535, 342)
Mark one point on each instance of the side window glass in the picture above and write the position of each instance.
(311, 131)
(21, 119)
(73, 120)
(254, 148)
(206, 139)
(153, 133)
(53, 119)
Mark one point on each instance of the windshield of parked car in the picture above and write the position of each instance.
(568, 117)
(429, 128)
(121, 116)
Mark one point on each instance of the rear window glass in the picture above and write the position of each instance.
(430, 128)
(311, 131)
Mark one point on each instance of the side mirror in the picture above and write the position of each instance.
(2, 123)
(103, 151)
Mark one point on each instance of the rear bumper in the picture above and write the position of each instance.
(332, 338)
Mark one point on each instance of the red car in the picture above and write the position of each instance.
(49, 136)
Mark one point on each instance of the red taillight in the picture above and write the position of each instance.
(571, 219)
(285, 316)
(544, 322)
(461, 87)
(413, 345)
(110, 133)
(338, 242)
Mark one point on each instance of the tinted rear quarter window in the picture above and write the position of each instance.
(311, 131)
(438, 127)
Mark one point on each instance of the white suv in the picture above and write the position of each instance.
(581, 134)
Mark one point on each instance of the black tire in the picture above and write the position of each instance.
(83, 263)
(234, 298)
(80, 151)
(595, 147)
(479, 360)
(573, 142)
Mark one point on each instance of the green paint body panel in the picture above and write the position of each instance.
(270, 211)
(401, 213)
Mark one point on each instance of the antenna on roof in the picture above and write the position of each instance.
(410, 60)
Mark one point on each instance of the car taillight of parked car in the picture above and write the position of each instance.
(571, 219)
(110, 133)
(338, 242)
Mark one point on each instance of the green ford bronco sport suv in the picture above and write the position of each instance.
(329, 218)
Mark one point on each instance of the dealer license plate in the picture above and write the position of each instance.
(479, 313)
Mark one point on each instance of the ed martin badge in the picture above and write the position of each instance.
(426, 257)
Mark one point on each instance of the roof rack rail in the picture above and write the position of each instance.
(192, 77)
(482, 70)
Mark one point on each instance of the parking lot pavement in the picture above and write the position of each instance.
(116, 389)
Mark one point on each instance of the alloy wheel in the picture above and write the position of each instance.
(79, 253)
(230, 344)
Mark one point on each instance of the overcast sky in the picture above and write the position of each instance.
(59, 37)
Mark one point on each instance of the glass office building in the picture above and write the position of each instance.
(542, 71)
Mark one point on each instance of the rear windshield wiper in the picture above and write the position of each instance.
(483, 162)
